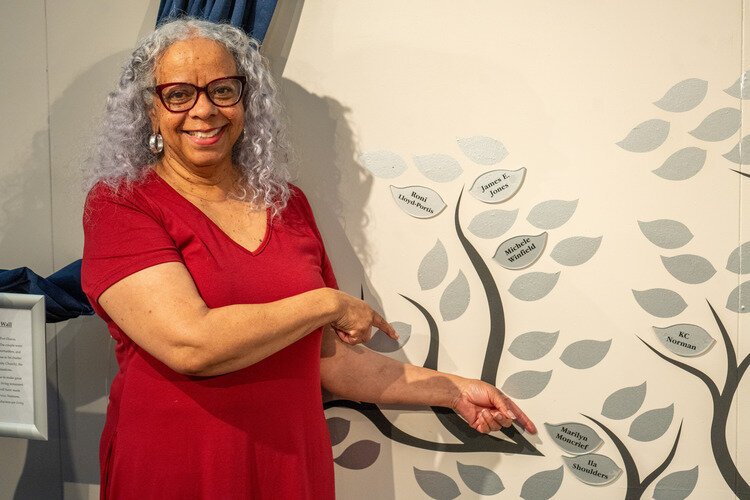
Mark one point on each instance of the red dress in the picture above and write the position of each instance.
(171, 436)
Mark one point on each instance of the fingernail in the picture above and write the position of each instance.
(511, 415)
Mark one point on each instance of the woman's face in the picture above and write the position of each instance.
(201, 138)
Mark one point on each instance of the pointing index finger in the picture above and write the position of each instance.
(384, 326)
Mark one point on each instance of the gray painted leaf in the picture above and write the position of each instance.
(646, 136)
(418, 201)
(593, 468)
(576, 250)
(359, 455)
(383, 343)
(652, 424)
(574, 438)
(497, 186)
(666, 233)
(739, 259)
(383, 164)
(480, 480)
(684, 339)
(691, 269)
(433, 268)
(683, 164)
(338, 429)
(533, 286)
(530, 346)
(438, 167)
(585, 353)
(526, 384)
(492, 223)
(684, 96)
(719, 125)
(455, 298)
(483, 150)
(677, 485)
(739, 90)
(660, 302)
(520, 251)
(739, 299)
(625, 402)
(436, 484)
(740, 154)
(542, 485)
(552, 214)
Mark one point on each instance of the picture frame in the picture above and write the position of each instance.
(23, 366)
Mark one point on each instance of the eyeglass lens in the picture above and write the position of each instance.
(183, 96)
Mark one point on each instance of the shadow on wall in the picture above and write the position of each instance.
(326, 153)
(337, 186)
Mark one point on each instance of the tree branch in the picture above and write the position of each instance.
(743, 367)
(431, 361)
(657, 472)
(693, 371)
(487, 443)
(731, 380)
(631, 471)
(496, 339)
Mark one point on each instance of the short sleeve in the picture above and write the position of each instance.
(325, 266)
(122, 235)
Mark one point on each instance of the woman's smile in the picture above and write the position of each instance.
(206, 137)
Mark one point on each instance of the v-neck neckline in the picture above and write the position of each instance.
(266, 237)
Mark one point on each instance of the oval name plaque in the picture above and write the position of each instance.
(593, 468)
(497, 186)
(574, 438)
(418, 201)
(685, 340)
(520, 251)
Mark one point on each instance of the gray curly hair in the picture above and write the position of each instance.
(260, 155)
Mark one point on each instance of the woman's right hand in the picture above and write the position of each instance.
(356, 319)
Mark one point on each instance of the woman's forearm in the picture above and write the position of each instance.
(160, 309)
(354, 372)
(357, 373)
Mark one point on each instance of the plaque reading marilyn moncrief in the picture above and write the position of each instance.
(23, 380)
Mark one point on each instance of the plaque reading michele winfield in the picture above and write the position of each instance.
(16, 367)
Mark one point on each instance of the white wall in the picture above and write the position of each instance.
(559, 84)
(58, 59)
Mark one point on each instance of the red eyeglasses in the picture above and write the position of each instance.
(178, 97)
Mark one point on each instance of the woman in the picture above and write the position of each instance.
(209, 270)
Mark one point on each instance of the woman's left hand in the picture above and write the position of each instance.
(487, 409)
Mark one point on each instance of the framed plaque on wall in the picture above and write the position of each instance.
(23, 373)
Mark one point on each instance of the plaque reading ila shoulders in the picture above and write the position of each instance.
(418, 201)
(593, 468)
(520, 251)
(497, 186)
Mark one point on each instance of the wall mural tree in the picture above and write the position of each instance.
(688, 340)
(576, 439)
(517, 253)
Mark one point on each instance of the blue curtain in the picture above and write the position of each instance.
(64, 298)
(253, 16)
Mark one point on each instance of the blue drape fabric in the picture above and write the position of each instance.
(253, 16)
(64, 298)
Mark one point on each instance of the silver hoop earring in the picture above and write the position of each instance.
(155, 143)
